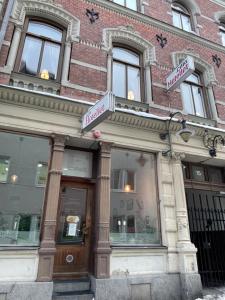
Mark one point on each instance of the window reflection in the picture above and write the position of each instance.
(21, 201)
(132, 4)
(41, 51)
(133, 215)
(181, 17)
(192, 93)
(126, 74)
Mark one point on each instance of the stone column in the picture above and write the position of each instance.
(102, 249)
(148, 84)
(66, 62)
(190, 279)
(212, 103)
(47, 248)
(109, 71)
(13, 48)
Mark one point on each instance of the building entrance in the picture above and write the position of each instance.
(205, 195)
(74, 226)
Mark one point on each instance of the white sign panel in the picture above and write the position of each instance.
(99, 112)
(185, 68)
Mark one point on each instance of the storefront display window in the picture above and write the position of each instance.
(22, 179)
(134, 213)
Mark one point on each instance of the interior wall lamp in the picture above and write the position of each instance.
(211, 142)
(185, 133)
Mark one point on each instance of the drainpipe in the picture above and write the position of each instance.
(5, 21)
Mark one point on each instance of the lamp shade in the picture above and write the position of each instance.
(185, 134)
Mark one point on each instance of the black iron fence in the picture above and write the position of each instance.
(206, 213)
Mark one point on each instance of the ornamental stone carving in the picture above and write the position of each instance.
(48, 10)
(126, 35)
(200, 64)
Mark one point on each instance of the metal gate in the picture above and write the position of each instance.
(206, 212)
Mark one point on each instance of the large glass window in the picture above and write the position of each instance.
(132, 4)
(181, 17)
(193, 98)
(41, 51)
(126, 74)
(133, 209)
(23, 174)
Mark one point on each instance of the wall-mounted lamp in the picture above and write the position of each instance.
(211, 142)
(185, 133)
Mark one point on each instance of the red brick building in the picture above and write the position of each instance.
(132, 210)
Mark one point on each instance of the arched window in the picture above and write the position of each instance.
(194, 96)
(222, 32)
(41, 48)
(181, 17)
(132, 4)
(126, 77)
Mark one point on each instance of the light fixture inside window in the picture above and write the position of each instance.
(44, 74)
(127, 188)
(14, 178)
(141, 160)
(130, 95)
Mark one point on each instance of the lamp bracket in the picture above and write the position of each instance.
(211, 142)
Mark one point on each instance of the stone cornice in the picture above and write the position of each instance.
(157, 23)
(219, 2)
(67, 106)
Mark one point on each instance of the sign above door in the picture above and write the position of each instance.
(98, 112)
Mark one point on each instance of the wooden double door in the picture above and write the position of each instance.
(74, 228)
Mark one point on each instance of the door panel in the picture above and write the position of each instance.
(72, 258)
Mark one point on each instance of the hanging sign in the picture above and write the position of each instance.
(185, 68)
(99, 112)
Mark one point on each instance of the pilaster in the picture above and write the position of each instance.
(47, 248)
(103, 250)
(13, 48)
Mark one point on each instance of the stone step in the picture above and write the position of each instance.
(73, 295)
(82, 284)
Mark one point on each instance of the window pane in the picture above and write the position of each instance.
(45, 30)
(186, 22)
(194, 78)
(215, 175)
(30, 56)
(132, 4)
(119, 80)
(223, 37)
(187, 98)
(121, 2)
(133, 84)
(4, 168)
(126, 56)
(42, 173)
(176, 19)
(198, 173)
(199, 101)
(133, 209)
(50, 60)
(21, 201)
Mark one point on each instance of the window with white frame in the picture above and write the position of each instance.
(194, 96)
(132, 4)
(181, 17)
(126, 77)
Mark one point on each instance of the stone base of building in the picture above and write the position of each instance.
(191, 286)
(26, 290)
(148, 287)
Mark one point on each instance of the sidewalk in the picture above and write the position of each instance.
(217, 293)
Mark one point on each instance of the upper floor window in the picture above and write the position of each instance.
(132, 4)
(193, 96)
(41, 50)
(181, 17)
(126, 82)
(222, 32)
